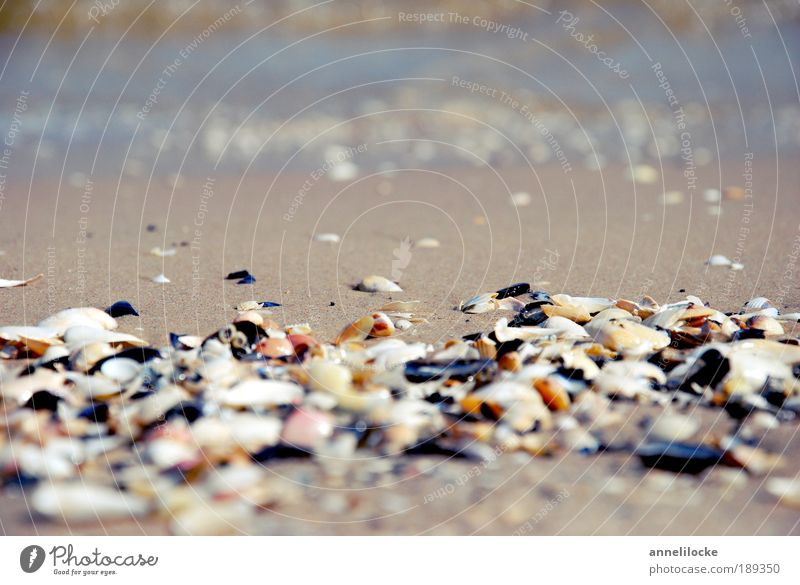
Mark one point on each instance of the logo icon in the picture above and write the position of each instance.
(31, 558)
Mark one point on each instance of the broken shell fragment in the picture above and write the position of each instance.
(161, 279)
(14, 283)
(374, 283)
(358, 330)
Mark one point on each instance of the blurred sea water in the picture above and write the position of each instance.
(179, 87)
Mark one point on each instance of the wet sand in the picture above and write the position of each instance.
(587, 233)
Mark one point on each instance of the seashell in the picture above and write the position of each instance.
(510, 304)
(275, 348)
(480, 304)
(403, 324)
(87, 356)
(34, 339)
(121, 370)
(382, 325)
(84, 316)
(14, 283)
(161, 279)
(163, 253)
(238, 275)
(643, 173)
(719, 260)
(80, 336)
(256, 318)
(514, 290)
(755, 461)
(672, 427)
(631, 338)
(166, 453)
(120, 309)
(427, 243)
(400, 307)
(254, 432)
(769, 325)
(521, 199)
(81, 501)
(565, 328)
(678, 457)
(572, 312)
(307, 429)
(261, 394)
(553, 394)
(153, 407)
(486, 347)
(519, 405)
(358, 330)
(298, 329)
(330, 377)
(757, 303)
(374, 283)
(590, 304)
(419, 371)
(328, 237)
(94, 387)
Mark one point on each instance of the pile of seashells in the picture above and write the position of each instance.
(98, 424)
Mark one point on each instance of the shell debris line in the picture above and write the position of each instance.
(99, 424)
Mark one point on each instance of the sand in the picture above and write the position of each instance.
(586, 232)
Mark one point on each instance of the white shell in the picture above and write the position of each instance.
(261, 393)
(83, 316)
(375, 283)
(161, 279)
(12, 283)
(76, 337)
(327, 237)
(719, 260)
(427, 243)
(121, 370)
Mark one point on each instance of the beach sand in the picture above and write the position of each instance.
(584, 233)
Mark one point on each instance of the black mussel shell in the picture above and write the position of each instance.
(189, 410)
(679, 457)
(249, 279)
(713, 369)
(43, 400)
(269, 304)
(237, 274)
(121, 309)
(539, 297)
(528, 317)
(514, 290)
(418, 371)
(280, 452)
(95, 412)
